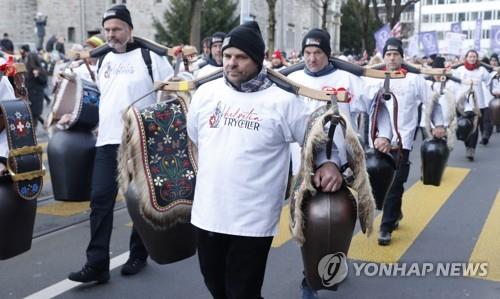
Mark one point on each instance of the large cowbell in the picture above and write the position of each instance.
(464, 127)
(494, 106)
(329, 220)
(158, 178)
(17, 219)
(22, 183)
(71, 161)
(381, 169)
(164, 246)
(434, 153)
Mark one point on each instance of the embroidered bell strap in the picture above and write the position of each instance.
(25, 156)
(167, 154)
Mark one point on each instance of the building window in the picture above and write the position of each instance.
(113, 1)
(440, 2)
(449, 17)
(425, 19)
(453, 1)
(474, 15)
(486, 33)
(461, 16)
(71, 34)
(158, 1)
(487, 15)
(437, 18)
(429, 2)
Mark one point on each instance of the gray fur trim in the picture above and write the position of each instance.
(361, 184)
(452, 119)
(429, 108)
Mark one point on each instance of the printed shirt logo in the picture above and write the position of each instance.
(234, 117)
(115, 70)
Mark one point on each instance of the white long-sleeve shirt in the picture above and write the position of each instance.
(479, 77)
(409, 92)
(442, 106)
(243, 156)
(335, 80)
(122, 79)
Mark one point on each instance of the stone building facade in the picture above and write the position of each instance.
(76, 20)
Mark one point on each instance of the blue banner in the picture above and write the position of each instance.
(381, 36)
(495, 39)
(429, 42)
(477, 35)
(456, 27)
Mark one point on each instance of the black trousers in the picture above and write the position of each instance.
(102, 202)
(485, 124)
(393, 202)
(472, 140)
(233, 267)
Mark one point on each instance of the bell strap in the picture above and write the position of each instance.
(25, 155)
(381, 95)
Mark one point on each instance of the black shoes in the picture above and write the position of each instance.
(396, 224)
(384, 238)
(133, 266)
(484, 141)
(89, 274)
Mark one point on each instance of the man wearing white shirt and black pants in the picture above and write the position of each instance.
(242, 125)
(410, 92)
(124, 76)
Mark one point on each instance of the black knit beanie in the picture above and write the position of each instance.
(247, 38)
(393, 44)
(317, 38)
(118, 11)
(438, 62)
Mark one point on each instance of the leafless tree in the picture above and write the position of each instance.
(392, 13)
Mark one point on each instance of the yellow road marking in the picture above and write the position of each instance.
(420, 204)
(487, 247)
(284, 232)
(65, 208)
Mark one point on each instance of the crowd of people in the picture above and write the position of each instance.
(243, 170)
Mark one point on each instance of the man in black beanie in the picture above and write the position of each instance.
(242, 125)
(410, 92)
(123, 75)
(214, 60)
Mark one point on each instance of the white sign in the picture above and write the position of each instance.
(453, 43)
(412, 50)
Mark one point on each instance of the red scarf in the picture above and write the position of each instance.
(471, 67)
(402, 69)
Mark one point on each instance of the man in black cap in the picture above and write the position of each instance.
(409, 92)
(123, 75)
(320, 73)
(214, 60)
(242, 125)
